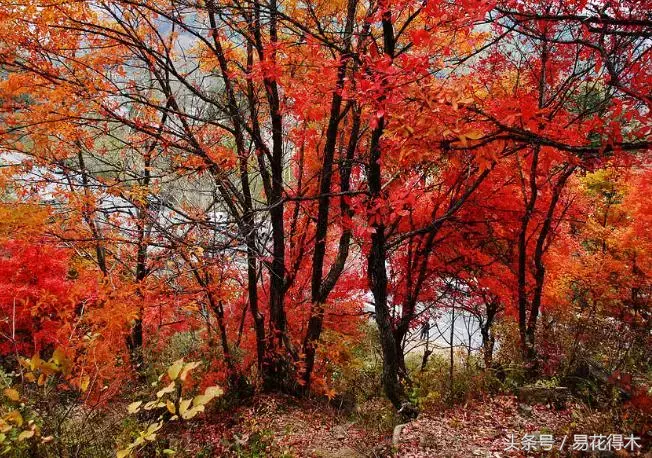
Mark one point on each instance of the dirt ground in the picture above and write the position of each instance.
(278, 426)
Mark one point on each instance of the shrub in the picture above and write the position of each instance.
(172, 403)
(432, 388)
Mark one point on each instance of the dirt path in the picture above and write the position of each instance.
(277, 426)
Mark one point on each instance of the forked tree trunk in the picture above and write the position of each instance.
(488, 338)
(320, 286)
(377, 258)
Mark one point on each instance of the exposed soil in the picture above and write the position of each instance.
(278, 426)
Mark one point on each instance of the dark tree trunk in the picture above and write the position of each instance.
(488, 338)
(135, 341)
(377, 274)
(377, 277)
(526, 334)
(522, 258)
(377, 258)
(540, 270)
(320, 289)
(451, 368)
(272, 351)
(247, 225)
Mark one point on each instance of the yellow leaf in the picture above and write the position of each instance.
(14, 417)
(188, 414)
(167, 389)
(214, 391)
(183, 405)
(123, 453)
(201, 400)
(153, 405)
(30, 377)
(84, 381)
(134, 407)
(12, 394)
(151, 429)
(41, 379)
(26, 435)
(61, 362)
(171, 408)
(175, 368)
(209, 394)
(474, 135)
(35, 362)
(58, 357)
(187, 368)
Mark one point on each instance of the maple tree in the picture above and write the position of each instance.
(252, 172)
(610, 245)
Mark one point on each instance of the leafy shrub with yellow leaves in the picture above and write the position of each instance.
(173, 403)
(20, 421)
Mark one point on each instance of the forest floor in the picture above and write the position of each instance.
(277, 426)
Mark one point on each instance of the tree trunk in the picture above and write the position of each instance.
(488, 342)
(377, 277)
(135, 341)
(452, 356)
(488, 338)
(377, 258)
(320, 289)
(540, 270)
(377, 274)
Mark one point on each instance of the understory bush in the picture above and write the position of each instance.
(432, 388)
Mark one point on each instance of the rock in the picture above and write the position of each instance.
(339, 432)
(408, 411)
(396, 437)
(525, 410)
